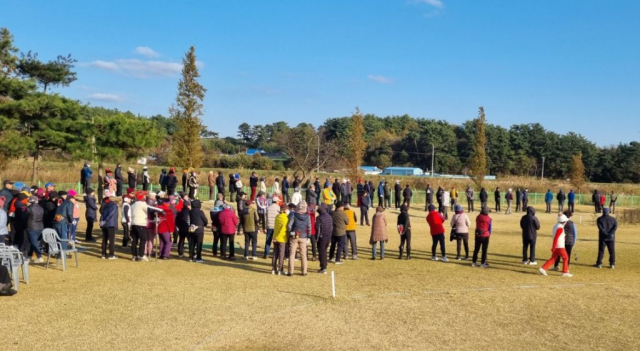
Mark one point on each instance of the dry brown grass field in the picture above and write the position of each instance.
(386, 304)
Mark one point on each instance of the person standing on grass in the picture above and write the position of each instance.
(85, 177)
(446, 200)
(471, 196)
(359, 192)
(570, 238)
(548, 198)
(197, 221)
(364, 209)
(387, 195)
(484, 198)
(509, 197)
(397, 190)
(525, 198)
(165, 228)
(324, 233)
(241, 204)
(232, 186)
(146, 179)
(603, 200)
(407, 193)
(612, 201)
(313, 238)
(404, 229)
(250, 227)
(228, 224)
(172, 181)
(183, 222)
(119, 179)
(436, 226)
(558, 248)
(312, 196)
(571, 197)
(7, 193)
(561, 197)
(35, 215)
(497, 197)
(285, 190)
(109, 224)
(439, 193)
(378, 232)
(76, 218)
(220, 183)
(607, 227)
(336, 189)
(279, 241)
(185, 179)
(340, 222)
(460, 223)
(139, 220)
(131, 178)
(275, 188)
(126, 220)
(215, 226)
(253, 184)
(454, 198)
(483, 233)
(163, 180)
(64, 217)
(90, 213)
(299, 228)
(351, 231)
(193, 185)
(109, 184)
(428, 197)
(518, 200)
(262, 204)
(328, 197)
(372, 191)
(381, 194)
(211, 180)
(530, 225)
(296, 198)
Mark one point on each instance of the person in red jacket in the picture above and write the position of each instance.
(228, 223)
(436, 225)
(603, 199)
(165, 228)
(558, 248)
(483, 232)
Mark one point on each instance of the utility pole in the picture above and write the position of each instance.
(542, 178)
(433, 157)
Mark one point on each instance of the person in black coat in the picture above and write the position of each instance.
(525, 198)
(407, 193)
(336, 190)
(285, 190)
(119, 179)
(398, 194)
(518, 199)
(530, 225)
(484, 198)
(404, 229)
(172, 181)
(182, 222)
(595, 198)
(232, 187)
(220, 183)
(131, 178)
(90, 214)
(439, 199)
(607, 227)
(561, 197)
(163, 180)
(428, 198)
(198, 221)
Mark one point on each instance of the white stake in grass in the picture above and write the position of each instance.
(333, 284)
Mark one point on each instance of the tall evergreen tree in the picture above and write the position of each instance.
(186, 146)
(478, 166)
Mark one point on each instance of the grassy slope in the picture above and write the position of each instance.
(381, 305)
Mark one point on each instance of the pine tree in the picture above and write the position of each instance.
(577, 171)
(356, 145)
(478, 166)
(186, 145)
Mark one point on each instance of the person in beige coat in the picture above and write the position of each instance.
(378, 232)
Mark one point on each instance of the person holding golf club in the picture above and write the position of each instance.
(558, 248)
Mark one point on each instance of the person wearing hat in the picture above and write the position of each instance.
(48, 187)
(404, 229)
(139, 222)
(460, 223)
(299, 229)
(530, 225)
(193, 185)
(509, 197)
(228, 223)
(607, 227)
(165, 227)
(126, 220)
(35, 215)
(198, 221)
(220, 183)
(262, 204)
(6, 192)
(85, 177)
(484, 227)
(182, 222)
(50, 205)
(109, 183)
(76, 217)
(558, 248)
(571, 237)
(172, 181)
(146, 179)
(108, 224)
(324, 233)
(436, 225)
(253, 184)
(90, 213)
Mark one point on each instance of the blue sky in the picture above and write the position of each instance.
(570, 65)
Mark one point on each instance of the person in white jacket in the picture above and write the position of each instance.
(296, 197)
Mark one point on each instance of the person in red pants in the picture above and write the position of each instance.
(558, 248)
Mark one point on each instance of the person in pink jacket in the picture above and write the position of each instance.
(228, 223)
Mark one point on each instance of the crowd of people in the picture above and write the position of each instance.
(324, 217)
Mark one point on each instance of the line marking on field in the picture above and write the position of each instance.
(526, 286)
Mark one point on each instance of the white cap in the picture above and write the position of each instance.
(563, 219)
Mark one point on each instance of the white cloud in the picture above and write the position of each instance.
(106, 97)
(379, 79)
(140, 69)
(435, 3)
(146, 51)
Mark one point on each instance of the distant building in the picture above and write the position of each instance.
(371, 170)
(402, 171)
(251, 152)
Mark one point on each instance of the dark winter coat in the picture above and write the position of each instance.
(484, 197)
(172, 182)
(109, 217)
(8, 197)
(132, 180)
(530, 224)
(607, 227)
(66, 210)
(90, 203)
(220, 182)
(407, 193)
(197, 217)
(398, 190)
(561, 197)
(35, 217)
(85, 174)
(118, 175)
(496, 195)
(324, 224)
(301, 224)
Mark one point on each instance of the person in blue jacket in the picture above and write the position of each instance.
(548, 198)
(109, 224)
(381, 194)
(572, 200)
(85, 177)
